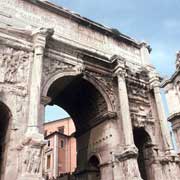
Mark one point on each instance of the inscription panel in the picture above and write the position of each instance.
(18, 12)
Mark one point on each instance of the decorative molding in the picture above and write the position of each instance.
(128, 153)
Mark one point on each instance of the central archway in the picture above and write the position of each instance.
(5, 116)
(85, 104)
(79, 98)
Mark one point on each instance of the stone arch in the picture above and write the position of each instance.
(143, 142)
(59, 75)
(90, 99)
(5, 117)
(97, 155)
(85, 103)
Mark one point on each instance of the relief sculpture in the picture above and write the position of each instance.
(14, 66)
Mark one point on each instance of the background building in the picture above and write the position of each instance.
(172, 91)
(60, 151)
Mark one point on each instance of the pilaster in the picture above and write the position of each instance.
(128, 157)
(155, 85)
(39, 38)
(120, 73)
(31, 149)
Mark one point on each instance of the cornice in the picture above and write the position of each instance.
(16, 38)
(171, 79)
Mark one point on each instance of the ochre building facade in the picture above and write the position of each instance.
(102, 78)
(60, 150)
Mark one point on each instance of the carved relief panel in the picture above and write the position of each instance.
(14, 70)
(140, 107)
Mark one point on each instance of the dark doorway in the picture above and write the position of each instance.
(142, 139)
(94, 168)
(4, 123)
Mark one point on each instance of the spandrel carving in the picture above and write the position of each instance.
(51, 66)
(107, 84)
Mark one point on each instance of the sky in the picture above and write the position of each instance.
(156, 22)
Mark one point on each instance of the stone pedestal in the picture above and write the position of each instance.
(125, 165)
(31, 150)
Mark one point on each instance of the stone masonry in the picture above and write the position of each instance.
(103, 79)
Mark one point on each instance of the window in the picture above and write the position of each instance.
(45, 133)
(61, 129)
(62, 143)
(48, 161)
(49, 143)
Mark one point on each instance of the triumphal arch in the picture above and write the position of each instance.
(102, 78)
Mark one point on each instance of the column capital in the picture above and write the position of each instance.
(119, 69)
(154, 80)
(144, 44)
(40, 36)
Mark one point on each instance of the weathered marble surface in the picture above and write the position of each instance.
(50, 56)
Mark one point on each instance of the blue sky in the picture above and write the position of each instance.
(156, 21)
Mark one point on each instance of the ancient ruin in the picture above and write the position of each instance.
(104, 80)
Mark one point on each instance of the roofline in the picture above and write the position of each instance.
(168, 81)
(76, 17)
(56, 132)
(63, 119)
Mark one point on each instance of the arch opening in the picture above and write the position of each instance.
(4, 125)
(142, 141)
(79, 98)
(85, 104)
(94, 168)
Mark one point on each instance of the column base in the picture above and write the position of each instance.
(32, 151)
(126, 166)
(30, 177)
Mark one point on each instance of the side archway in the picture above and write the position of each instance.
(5, 117)
(94, 168)
(143, 142)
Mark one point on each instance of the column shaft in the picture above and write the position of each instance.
(163, 121)
(125, 112)
(56, 157)
(35, 88)
(39, 38)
